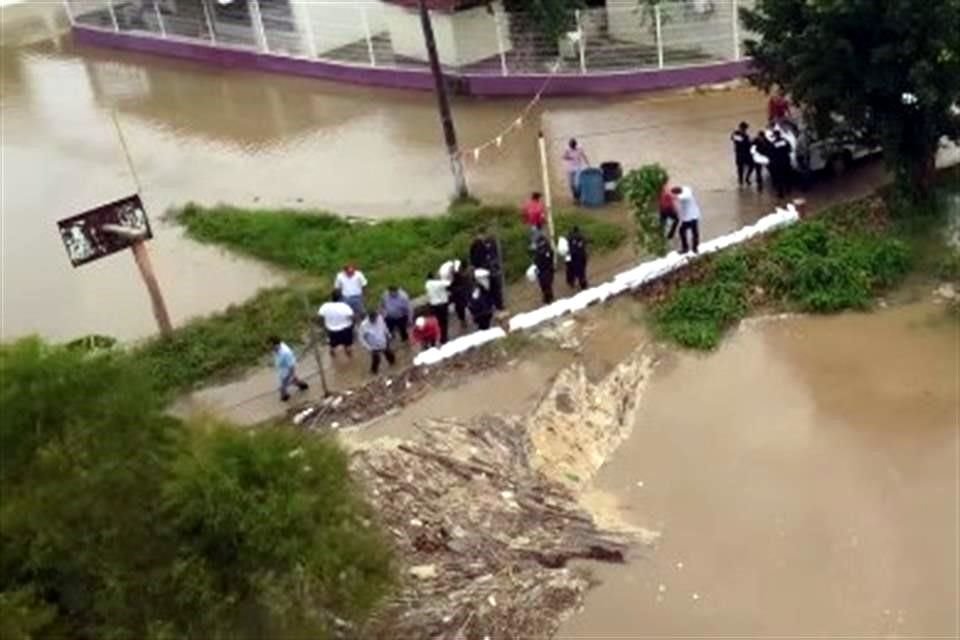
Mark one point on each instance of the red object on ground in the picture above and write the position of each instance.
(429, 333)
(534, 213)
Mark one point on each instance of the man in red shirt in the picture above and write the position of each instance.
(668, 211)
(534, 212)
(426, 332)
(778, 108)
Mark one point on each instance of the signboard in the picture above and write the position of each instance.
(86, 239)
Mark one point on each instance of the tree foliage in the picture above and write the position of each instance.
(118, 521)
(892, 66)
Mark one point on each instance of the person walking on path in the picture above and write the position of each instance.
(543, 259)
(454, 272)
(689, 212)
(286, 364)
(534, 211)
(338, 320)
(668, 212)
(426, 332)
(780, 164)
(395, 305)
(574, 161)
(351, 282)
(438, 297)
(481, 301)
(375, 338)
(576, 259)
(741, 153)
(484, 255)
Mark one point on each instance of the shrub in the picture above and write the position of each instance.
(698, 315)
(641, 188)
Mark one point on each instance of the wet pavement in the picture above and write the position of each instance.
(814, 493)
(205, 134)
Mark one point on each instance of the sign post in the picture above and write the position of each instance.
(112, 228)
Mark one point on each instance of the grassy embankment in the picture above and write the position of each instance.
(841, 259)
(316, 245)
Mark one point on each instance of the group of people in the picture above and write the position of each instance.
(679, 210)
(572, 248)
(770, 148)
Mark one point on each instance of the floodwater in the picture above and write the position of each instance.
(814, 493)
(205, 134)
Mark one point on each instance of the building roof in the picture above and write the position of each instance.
(448, 6)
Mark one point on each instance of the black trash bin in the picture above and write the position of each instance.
(612, 172)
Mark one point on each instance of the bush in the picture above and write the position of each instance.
(697, 316)
(117, 521)
(641, 188)
(814, 268)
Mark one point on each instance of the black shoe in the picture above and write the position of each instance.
(303, 386)
(284, 397)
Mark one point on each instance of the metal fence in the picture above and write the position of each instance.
(625, 35)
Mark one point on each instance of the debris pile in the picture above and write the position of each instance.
(484, 527)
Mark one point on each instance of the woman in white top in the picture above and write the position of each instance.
(338, 320)
(438, 297)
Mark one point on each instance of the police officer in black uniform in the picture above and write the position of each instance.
(741, 153)
(543, 259)
(576, 259)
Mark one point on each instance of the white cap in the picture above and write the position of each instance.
(421, 322)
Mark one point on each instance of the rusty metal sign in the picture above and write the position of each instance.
(105, 230)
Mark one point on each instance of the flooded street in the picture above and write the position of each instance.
(815, 493)
(206, 134)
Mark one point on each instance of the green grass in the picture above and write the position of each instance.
(224, 345)
(825, 265)
(394, 251)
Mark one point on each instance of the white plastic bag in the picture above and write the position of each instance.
(532, 273)
(563, 247)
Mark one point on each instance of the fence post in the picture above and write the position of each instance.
(66, 7)
(497, 18)
(736, 29)
(156, 9)
(581, 41)
(209, 19)
(659, 22)
(311, 38)
(366, 29)
(113, 15)
(256, 21)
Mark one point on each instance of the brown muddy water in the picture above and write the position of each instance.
(205, 134)
(806, 482)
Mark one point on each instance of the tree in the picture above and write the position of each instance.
(118, 521)
(892, 66)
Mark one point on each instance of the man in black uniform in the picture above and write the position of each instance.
(741, 153)
(481, 302)
(576, 259)
(543, 259)
(484, 255)
(780, 164)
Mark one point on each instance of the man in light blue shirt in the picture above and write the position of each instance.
(286, 364)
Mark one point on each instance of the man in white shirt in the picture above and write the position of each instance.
(338, 321)
(350, 282)
(689, 213)
(438, 297)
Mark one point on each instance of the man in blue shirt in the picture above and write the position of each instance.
(286, 364)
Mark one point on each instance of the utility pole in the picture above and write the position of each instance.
(443, 102)
(315, 342)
